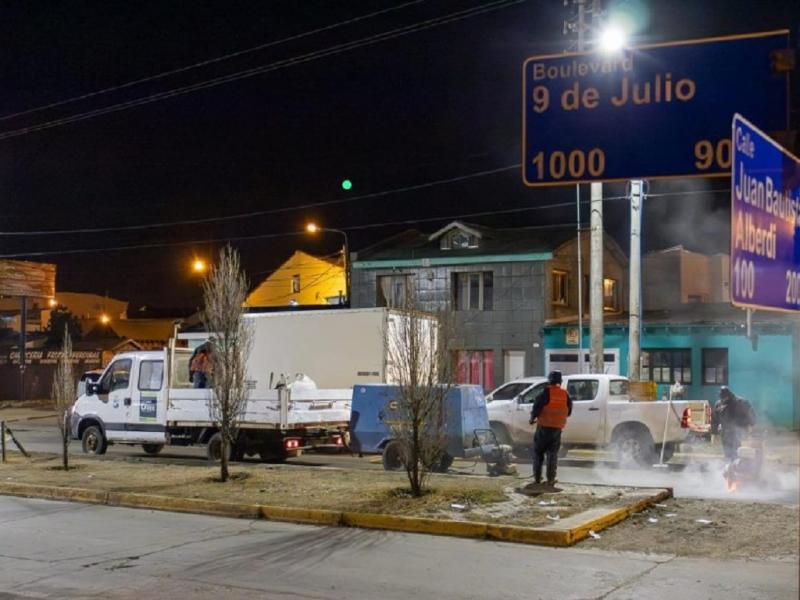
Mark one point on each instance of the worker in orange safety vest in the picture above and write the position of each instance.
(550, 411)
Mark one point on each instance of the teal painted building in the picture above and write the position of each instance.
(707, 347)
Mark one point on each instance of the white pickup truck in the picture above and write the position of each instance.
(146, 398)
(602, 415)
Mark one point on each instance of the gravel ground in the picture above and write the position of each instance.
(737, 530)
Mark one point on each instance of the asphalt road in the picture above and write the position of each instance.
(62, 550)
(689, 476)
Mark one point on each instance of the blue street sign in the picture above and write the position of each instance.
(765, 222)
(655, 111)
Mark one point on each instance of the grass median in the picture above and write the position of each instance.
(449, 497)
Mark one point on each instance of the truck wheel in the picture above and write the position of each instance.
(393, 456)
(93, 441)
(635, 448)
(152, 449)
(214, 449)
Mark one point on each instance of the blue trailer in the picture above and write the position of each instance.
(375, 404)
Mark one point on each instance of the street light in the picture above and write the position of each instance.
(105, 319)
(199, 266)
(314, 228)
(611, 40)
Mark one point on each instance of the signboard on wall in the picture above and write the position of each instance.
(25, 278)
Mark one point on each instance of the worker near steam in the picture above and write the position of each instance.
(731, 417)
(550, 412)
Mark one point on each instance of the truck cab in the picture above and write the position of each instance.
(127, 403)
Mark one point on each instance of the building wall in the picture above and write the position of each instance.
(319, 280)
(677, 276)
(513, 324)
(719, 272)
(767, 377)
(566, 259)
(661, 281)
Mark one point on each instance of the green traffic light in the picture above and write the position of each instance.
(347, 184)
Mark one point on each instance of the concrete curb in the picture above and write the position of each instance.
(563, 533)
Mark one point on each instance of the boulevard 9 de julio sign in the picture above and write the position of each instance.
(655, 111)
(765, 222)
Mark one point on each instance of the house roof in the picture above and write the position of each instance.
(413, 244)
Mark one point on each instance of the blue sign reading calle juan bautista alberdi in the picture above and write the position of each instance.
(765, 221)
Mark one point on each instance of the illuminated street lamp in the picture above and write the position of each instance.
(611, 40)
(199, 266)
(52, 302)
(105, 319)
(314, 228)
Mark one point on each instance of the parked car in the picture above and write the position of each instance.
(602, 416)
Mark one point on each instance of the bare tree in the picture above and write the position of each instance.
(63, 393)
(419, 364)
(224, 293)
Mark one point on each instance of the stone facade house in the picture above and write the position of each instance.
(500, 284)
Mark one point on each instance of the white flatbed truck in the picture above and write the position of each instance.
(146, 398)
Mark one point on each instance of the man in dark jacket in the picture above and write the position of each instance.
(732, 416)
(550, 410)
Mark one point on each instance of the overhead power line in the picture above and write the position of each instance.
(485, 213)
(274, 66)
(258, 213)
(209, 61)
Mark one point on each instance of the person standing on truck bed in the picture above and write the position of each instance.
(200, 366)
(550, 410)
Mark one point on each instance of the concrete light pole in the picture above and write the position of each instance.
(635, 292)
(596, 256)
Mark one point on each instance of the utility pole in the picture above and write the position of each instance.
(23, 341)
(581, 25)
(596, 226)
(635, 292)
(580, 278)
(596, 256)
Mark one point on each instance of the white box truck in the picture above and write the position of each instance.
(146, 397)
(337, 348)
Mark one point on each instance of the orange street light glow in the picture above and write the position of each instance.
(312, 228)
(52, 302)
(199, 265)
(105, 319)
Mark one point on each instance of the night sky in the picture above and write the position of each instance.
(430, 105)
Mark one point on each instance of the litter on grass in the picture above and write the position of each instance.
(553, 517)
(593, 535)
(652, 520)
(703, 521)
